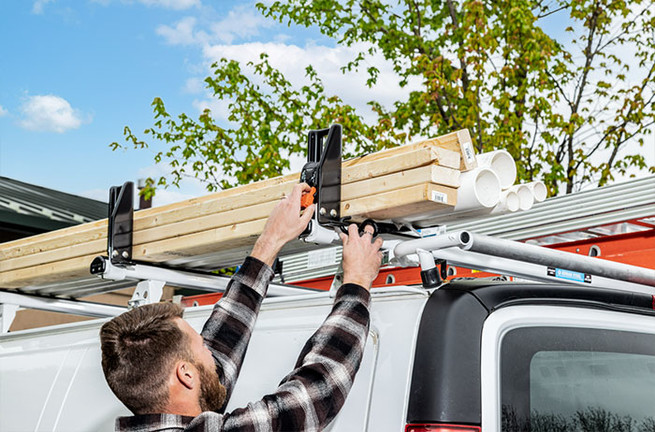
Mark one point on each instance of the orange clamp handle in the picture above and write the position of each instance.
(307, 199)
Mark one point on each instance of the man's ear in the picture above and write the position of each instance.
(186, 374)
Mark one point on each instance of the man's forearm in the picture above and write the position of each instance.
(229, 327)
(312, 394)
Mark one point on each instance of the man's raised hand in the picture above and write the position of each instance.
(361, 256)
(283, 225)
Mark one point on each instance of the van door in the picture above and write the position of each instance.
(278, 337)
(51, 380)
(550, 368)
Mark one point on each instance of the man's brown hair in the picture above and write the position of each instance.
(139, 350)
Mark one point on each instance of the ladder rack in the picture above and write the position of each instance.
(409, 242)
(577, 216)
(460, 248)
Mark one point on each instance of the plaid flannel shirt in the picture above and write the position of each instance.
(309, 397)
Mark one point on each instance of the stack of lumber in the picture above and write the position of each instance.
(391, 184)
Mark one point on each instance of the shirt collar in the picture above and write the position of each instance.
(152, 422)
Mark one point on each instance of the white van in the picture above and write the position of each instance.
(468, 356)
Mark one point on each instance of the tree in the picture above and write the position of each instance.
(270, 118)
(566, 109)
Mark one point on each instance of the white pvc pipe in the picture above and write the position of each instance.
(480, 188)
(502, 163)
(538, 189)
(509, 202)
(526, 198)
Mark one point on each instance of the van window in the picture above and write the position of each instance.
(577, 379)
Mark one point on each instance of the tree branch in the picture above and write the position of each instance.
(462, 61)
(551, 12)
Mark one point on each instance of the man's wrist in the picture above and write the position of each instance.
(352, 292)
(265, 250)
(362, 282)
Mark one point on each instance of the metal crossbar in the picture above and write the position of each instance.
(466, 249)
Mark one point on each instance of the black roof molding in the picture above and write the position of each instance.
(42, 209)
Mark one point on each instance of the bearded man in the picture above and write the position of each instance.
(174, 379)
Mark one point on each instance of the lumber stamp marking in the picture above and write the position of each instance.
(461, 143)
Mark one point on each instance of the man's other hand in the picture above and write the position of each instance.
(284, 224)
(361, 256)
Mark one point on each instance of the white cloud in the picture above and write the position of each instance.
(241, 22)
(182, 33)
(37, 7)
(49, 113)
(292, 60)
(172, 4)
(194, 85)
(219, 108)
(244, 22)
(162, 197)
(282, 38)
(3, 112)
(169, 196)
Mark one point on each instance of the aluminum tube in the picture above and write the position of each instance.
(96, 310)
(523, 270)
(584, 209)
(441, 241)
(208, 283)
(548, 212)
(560, 259)
(577, 225)
(181, 278)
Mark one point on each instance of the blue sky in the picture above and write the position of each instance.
(74, 73)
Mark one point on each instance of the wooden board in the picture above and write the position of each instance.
(238, 197)
(461, 143)
(61, 270)
(412, 156)
(409, 201)
(426, 174)
(381, 185)
(353, 195)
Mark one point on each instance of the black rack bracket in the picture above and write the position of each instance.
(323, 172)
(121, 226)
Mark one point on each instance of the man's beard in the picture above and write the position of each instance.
(212, 392)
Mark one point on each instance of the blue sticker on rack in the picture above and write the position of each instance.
(569, 275)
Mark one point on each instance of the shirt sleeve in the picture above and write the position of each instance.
(229, 327)
(314, 392)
